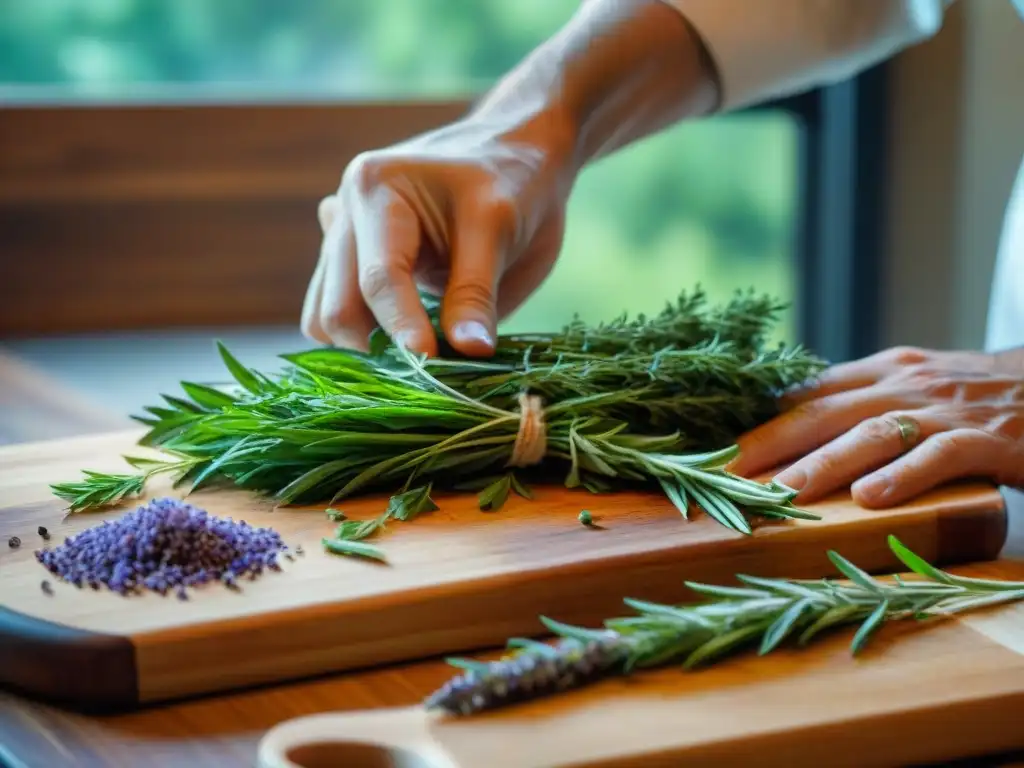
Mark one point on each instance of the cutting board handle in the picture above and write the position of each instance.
(395, 738)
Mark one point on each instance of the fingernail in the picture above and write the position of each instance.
(792, 478)
(873, 487)
(472, 332)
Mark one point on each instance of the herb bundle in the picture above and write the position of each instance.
(649, 402)
(762, 612)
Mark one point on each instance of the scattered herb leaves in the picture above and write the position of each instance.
(354, 548)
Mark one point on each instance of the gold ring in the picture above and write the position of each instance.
(910, 431)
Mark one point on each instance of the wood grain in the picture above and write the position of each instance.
(457, 579)
(167, 216)
(223, 731)
(915, 695)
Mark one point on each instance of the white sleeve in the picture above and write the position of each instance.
(771, 48)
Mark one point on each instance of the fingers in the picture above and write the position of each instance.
(809, 426)
(526, 275)
(387, 237)
(871, 444)
(344, 316)
(855, 374)
(469, 312)
(310, 322)
(946, 456)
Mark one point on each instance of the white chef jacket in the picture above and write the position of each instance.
(771, 48)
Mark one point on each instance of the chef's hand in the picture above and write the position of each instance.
(475, 211)
(897, 424)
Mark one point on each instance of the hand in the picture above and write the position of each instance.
(474, 211)
(967, 409)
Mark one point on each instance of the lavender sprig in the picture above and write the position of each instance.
(762, 612)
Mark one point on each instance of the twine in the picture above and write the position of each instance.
(532, 438)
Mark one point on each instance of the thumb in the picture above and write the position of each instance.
(469, 307)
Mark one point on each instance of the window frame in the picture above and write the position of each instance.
(840, 237)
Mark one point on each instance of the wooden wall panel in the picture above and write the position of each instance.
(173, 216)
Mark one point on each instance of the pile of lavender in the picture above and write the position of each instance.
(166, 545)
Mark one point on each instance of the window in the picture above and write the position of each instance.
(723, 202)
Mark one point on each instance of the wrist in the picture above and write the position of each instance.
(618, 71)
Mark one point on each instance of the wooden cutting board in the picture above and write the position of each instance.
(915, 695)
(457, 579)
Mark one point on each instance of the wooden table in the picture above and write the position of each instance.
(223, 731)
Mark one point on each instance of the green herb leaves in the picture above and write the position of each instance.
(765, 612)
(100, 490)
(654, 402)
(349, 535)
(355, 548)
(406, 506)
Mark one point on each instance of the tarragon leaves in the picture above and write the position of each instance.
(406, 506)
(765, 612)
(653, 402)
(349, 535)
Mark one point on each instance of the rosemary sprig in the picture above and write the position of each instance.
(100, 490)
(652, 402)
(762, 612)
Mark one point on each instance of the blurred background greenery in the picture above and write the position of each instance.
(711, 202)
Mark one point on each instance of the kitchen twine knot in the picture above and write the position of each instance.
(532, 438)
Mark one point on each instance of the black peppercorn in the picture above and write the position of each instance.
(14, 542)
(41, 530)
(47, 587)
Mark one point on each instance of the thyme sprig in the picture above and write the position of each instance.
(762, 612)
(651, 402)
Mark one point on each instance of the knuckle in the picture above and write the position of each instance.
(476, 294)
(1009, 425)
(338, 318)
(364, 174)
(327, 211)
(956, 441)
(905, 356)
(942, 386)
(880, 429)
(376, 280)
(825, 464)
(502, 212)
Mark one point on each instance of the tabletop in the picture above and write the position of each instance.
(223, 730)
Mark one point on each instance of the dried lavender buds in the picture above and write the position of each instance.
(539, 671)
(164, 546)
